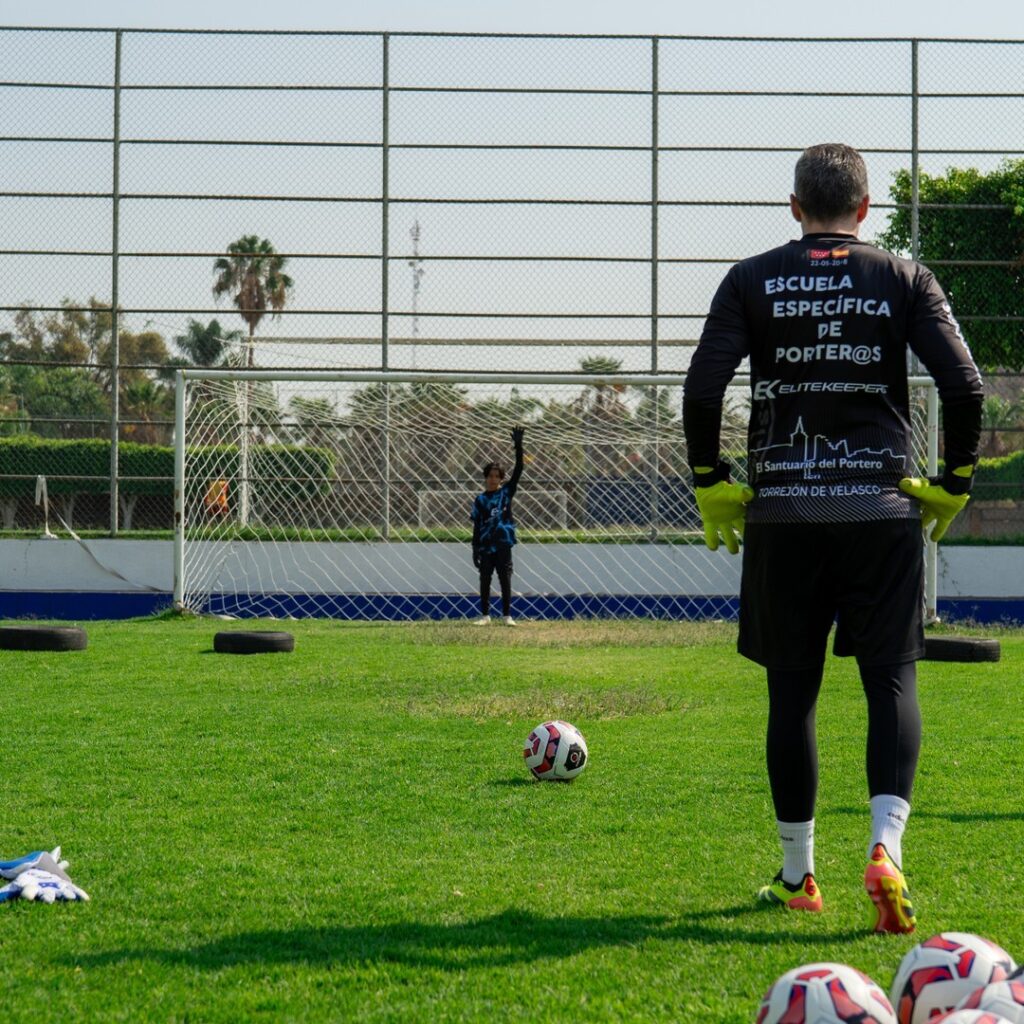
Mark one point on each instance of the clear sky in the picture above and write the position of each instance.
(992, 19)
(456, 296)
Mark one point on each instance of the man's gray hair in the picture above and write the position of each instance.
(830, 181)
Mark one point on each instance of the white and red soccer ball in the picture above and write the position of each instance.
(970, 1017)
(1005, 999)
(941, 971)
(555, 751)
(825, 993)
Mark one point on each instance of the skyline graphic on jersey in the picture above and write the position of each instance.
(820, 452)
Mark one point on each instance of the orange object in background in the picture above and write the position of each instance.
(216, 498)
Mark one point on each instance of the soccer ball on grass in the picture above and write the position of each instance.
(825, 993)
(555, 751)
(936, 974)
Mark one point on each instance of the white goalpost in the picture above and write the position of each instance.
(353, 497)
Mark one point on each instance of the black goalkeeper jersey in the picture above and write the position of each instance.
(826, 322)
(494, 528)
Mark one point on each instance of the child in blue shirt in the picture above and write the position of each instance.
(494, 532)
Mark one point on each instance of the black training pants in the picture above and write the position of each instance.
(499, 562)
(894, 735)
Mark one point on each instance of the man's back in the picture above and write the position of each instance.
(826, 322)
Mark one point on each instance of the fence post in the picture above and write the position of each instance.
(655, 470)
(179, 490)
(115, 246)
(931, 551)
(915, 184)
(385, 252)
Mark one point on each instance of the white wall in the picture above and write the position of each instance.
(146, 565)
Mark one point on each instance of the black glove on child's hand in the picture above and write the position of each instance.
(476, 559)
(517, 436)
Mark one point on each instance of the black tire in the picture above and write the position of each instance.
(960, 648)
(42, 638)
(241, 642)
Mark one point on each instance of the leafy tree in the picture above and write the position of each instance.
(61, 401)
(316, 419)
(135, 352)
(70, 335)
(967, 215)
(13, 418)
(252, 273)
(70, 394)
(998, 414)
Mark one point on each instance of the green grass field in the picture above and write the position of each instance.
(348, 833)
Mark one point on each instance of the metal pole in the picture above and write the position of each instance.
(654, 472)
(915, 184)
(115, 348)
(385, 188)
(654, 205)
(931, 551)
(179, 490)
(385, 249)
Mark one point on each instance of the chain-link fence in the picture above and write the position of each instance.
(452, 203)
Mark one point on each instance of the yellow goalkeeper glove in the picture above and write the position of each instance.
(941, 498)
(722, 506)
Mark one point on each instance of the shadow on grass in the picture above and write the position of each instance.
(957, 817)
(510, 937)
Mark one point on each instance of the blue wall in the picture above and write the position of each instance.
(397, 607)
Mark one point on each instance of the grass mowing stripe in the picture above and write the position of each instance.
(348, 833)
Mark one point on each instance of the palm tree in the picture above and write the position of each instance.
(146, 401)
(206, 346)
(252, 273)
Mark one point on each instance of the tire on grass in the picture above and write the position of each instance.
(238, 641)
(960, 648)
(42, 638)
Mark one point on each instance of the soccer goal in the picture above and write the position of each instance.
(348, 493)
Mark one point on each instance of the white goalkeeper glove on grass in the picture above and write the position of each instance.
(44, 886)
(40, 859)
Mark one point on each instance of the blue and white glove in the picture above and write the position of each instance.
(40, 859)
(44, 886)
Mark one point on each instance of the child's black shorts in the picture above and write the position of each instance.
(500, 560)
(799, 578)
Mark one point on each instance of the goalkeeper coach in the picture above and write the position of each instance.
(833, 513)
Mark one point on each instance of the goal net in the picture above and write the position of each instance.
(348, 494)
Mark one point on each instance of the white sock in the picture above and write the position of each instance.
(888, 820)
(797, 839)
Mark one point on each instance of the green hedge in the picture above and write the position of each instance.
(997, 479)
(1000, 478)
(67, 465)
(305, 471)
(83, 466)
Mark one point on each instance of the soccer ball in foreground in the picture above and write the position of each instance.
(555, 751)
(971, 1017)
(825, 994)
(936, 974)
(1003, 998)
